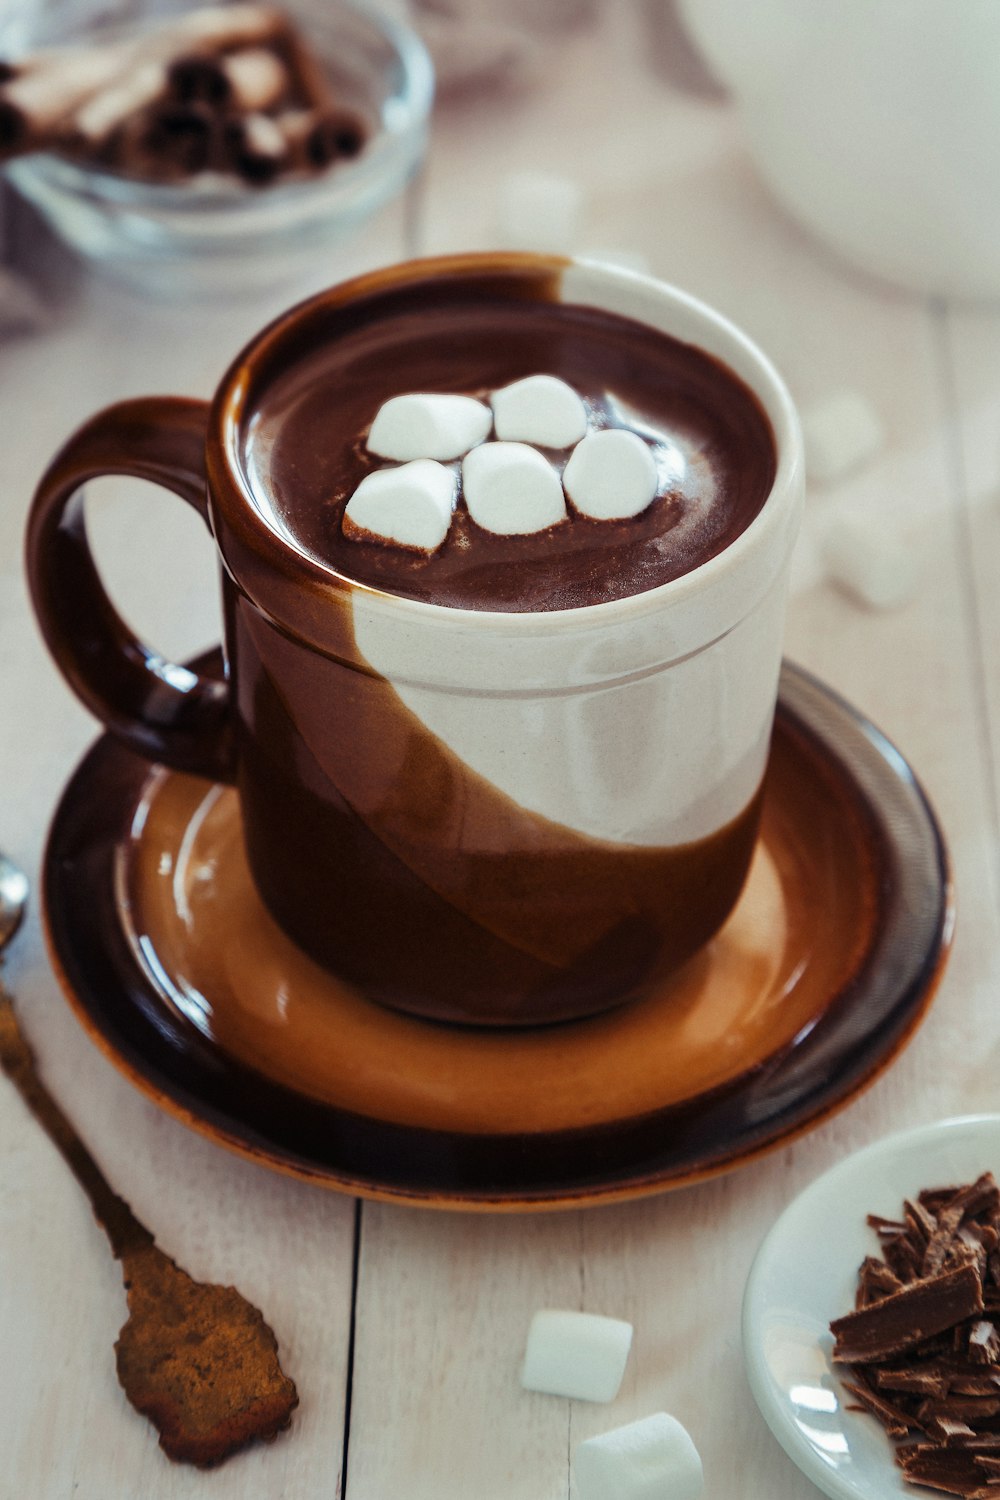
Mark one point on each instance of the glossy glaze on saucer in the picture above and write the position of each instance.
(819, 977)
(224, 964)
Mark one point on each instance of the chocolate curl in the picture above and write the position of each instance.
(255, 148)
(42, 92)
(316, 137)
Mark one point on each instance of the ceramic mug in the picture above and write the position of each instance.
(876, 123)
(499, 818)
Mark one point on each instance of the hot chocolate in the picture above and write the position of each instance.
(537, 801)
(436, 881)
(711, 442)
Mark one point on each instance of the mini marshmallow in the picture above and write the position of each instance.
(611, 475)
(576, 1354)
(871, 563)
(652, 1459)
(428, 426)
(842, 433)
(539, 409)
(539, 211)
(511, 489)
(410, 505)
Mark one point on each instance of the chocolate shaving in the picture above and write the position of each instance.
(923, 1340)
(925, 1382)
(956, 1471)
(906, 1318)
(903, 1256)
(974, 1409)
(975, 1383)
(984, 1343)
(920, 1223)
(885, 1226)
(942, 1242)
(896, 1422)
(948, 1430)
(875, 1281)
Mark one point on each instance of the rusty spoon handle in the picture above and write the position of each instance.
(17, 1060)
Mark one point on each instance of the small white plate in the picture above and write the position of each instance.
(805, 1274)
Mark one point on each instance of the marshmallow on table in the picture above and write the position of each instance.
(652, 1459)
(435, 425)
(611, 475)
(870, 562)
(511, 489)
(539, 211)
(841, 433)
(410, 505)
(539, 409)
(576, 1354)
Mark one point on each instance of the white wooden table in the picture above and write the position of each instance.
(404, 1329)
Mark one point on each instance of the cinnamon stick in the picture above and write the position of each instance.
(226, 87)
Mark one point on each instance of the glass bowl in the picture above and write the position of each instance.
(214, 234)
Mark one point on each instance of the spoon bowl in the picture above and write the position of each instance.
(197, 1359)
(13, 898)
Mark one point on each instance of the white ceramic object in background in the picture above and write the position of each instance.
(645, 720)
(876, 123)
(805, 1274)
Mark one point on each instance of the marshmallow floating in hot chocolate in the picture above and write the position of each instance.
(511, 489)
(611, 475)
(539, 409)
(434, 425)
(410, 505)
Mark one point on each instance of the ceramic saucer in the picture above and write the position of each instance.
(805, 1275)
(818, 979)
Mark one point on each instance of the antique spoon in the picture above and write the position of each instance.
(197, 1359)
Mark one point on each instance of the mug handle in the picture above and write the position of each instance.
(164, 711)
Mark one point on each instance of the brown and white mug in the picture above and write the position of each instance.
(484, 816)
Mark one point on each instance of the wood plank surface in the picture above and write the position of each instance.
(430, 1407)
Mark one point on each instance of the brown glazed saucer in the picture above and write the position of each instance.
(817, 981)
